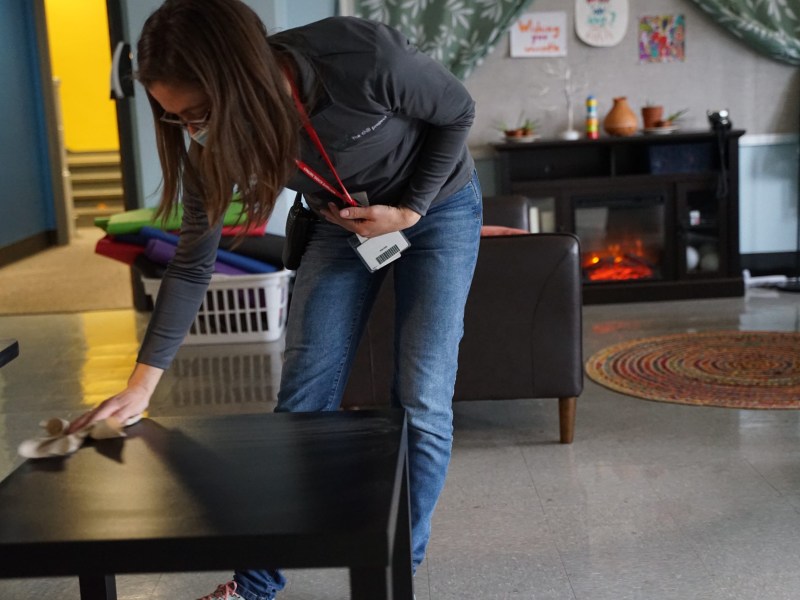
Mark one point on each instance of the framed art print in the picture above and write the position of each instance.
(601, 22)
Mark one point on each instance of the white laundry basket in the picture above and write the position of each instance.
(238, 308)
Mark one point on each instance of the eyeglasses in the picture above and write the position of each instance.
(176, 120)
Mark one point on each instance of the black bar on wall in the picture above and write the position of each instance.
(127, 145)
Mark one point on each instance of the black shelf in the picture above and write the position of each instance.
(683, 169)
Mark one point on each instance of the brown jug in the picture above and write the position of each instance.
(621, 120)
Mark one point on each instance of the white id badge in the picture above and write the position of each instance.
(379, 251)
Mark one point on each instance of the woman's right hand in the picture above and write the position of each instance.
(130, 402)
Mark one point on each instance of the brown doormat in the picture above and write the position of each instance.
(731, 369)
(65, 279)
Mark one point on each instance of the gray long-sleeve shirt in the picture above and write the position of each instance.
(393, 121)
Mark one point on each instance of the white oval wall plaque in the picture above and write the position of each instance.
(601, 22)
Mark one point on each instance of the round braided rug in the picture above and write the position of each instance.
(731, 369)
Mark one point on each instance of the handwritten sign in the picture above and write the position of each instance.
(539, 34)
(601, 22)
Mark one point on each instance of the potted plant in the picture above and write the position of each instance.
(524, 131)
(672, 118)
(652, 114)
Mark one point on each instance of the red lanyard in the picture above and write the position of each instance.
(312, 133)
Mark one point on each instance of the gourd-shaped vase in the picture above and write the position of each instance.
(621, 120)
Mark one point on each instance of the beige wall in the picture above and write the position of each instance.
(719, 72)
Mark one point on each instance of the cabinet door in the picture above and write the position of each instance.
(542, 217)
(702, 232)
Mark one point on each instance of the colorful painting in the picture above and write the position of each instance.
(539, 34)
(661, 39)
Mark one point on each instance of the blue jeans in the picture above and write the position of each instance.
(332, 297)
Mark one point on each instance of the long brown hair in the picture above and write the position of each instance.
(221, 46)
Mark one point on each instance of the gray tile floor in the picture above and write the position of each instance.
(652, 501)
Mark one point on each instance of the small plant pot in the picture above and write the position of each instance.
(521, 134)
(652, 116)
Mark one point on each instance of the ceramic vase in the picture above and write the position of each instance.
(621, 120)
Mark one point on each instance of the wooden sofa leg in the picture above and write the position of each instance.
(566, 418)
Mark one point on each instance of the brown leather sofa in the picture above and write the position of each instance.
(522, 326)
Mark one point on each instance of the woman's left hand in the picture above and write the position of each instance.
(371, 221)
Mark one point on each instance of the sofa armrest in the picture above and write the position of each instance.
(522, 326)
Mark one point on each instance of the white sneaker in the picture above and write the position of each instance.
(224, 591)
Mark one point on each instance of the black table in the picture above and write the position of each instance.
(9, 350)
(233, 492)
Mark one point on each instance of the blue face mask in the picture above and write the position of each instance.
(200, 135)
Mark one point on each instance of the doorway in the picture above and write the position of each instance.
(80, 63)
(81, 124)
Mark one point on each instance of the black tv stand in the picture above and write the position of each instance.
(662, 198)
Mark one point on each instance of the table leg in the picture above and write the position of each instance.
(98, 587)
(396, 581)
(371, 584)
(402, 573)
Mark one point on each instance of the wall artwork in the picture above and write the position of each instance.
(601, 22)
(539, 34)
(661, 39)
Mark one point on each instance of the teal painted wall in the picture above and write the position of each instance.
(300, 12)
(768, 184)
(26, 196)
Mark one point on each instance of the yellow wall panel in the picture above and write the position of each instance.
(81, 58)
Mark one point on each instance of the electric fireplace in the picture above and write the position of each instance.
(623, 238)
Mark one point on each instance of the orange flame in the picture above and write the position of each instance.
(618, 263)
